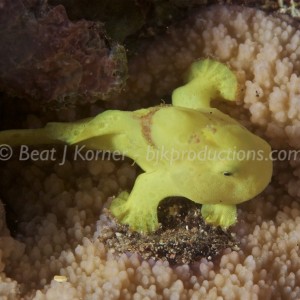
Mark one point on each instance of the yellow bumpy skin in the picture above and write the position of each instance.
(186, 149)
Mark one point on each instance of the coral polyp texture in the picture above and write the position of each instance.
(262, 49)
(47, 58)
(218, 183)
(53, 211)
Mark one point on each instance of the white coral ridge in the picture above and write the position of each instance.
(60, 209)
(263, 50)
(57, 207)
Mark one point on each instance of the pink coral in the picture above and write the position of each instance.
(58, 229)
(262, 49)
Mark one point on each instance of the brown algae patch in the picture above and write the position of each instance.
(182, 238)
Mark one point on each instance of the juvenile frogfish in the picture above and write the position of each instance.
(186, 149)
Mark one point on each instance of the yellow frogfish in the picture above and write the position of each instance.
(186, 149)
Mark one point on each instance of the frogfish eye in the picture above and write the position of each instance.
(227, 173)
